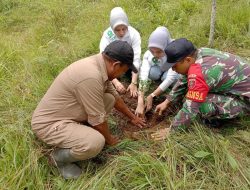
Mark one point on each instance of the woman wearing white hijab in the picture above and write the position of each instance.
(121, 30)
(155, 67)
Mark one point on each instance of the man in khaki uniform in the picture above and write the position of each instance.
(72, 115)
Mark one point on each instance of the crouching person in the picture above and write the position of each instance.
(72, 115)
(216, 85)
(155, 67)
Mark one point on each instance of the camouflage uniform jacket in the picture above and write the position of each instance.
(213, 72)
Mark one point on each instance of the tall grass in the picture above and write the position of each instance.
(198, 159)
(40, 38)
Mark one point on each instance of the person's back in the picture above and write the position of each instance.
(225, 73)
(68, 93)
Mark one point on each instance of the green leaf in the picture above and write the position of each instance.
(232, 161)
(201, 154)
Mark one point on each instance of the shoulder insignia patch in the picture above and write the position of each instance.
(191, 83)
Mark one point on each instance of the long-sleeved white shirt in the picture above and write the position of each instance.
(148, 61)
(132, 37)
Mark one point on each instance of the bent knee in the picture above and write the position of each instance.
(90, 147)
(155, 73)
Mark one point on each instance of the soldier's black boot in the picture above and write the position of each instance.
(212, 123)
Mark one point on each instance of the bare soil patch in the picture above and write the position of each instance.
(153, 121)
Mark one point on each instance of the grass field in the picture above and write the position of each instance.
(41, 37)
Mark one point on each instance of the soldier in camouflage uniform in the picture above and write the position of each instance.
(216, 85)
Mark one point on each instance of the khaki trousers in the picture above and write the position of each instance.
(84, 141)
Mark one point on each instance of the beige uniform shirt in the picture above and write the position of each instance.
(76, 94)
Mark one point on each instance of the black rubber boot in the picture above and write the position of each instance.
(62, 158)
(214, 123)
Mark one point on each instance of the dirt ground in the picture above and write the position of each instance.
(153, 121)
